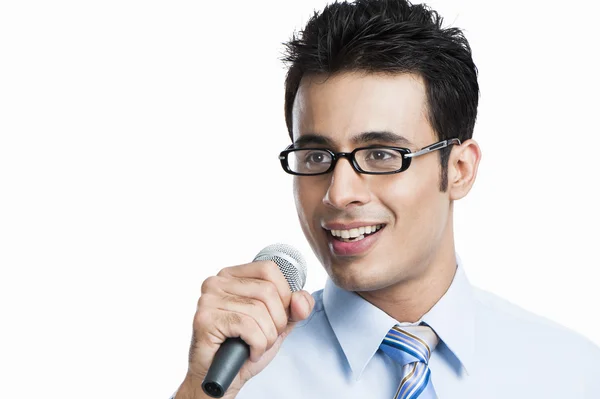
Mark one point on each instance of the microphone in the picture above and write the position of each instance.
(234, 351)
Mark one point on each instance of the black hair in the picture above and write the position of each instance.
(391, 36)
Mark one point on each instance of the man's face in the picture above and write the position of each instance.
(411, 215)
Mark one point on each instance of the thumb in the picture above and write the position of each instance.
(301, 306)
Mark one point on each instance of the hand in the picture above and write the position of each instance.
(251, 301)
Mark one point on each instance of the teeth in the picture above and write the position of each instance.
(353, 239)
(358, 232)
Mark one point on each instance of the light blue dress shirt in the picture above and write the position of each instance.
(488, 349)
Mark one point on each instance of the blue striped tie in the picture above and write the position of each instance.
(411, 346)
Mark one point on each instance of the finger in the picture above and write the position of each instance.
(250, 307)
(301, 306)
(256, 290)
(263, 270)
(226, 324)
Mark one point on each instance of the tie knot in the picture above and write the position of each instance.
(408, 344)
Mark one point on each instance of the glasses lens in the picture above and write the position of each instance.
(309, 161)
(379, 159)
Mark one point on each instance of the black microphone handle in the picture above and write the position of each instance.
(228, 361)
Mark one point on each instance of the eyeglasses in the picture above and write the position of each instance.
(374, 160)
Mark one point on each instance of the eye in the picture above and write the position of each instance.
(379, 159)
(317, 157)
(380, 154)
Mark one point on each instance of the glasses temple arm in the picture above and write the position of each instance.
(434, 147)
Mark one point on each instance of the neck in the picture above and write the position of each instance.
(410, 299)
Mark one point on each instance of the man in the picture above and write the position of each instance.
(380, 104)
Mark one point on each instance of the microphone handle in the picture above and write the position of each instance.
(227, 363)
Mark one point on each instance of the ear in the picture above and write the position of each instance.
(462, 168)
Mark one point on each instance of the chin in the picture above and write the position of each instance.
(354, 276)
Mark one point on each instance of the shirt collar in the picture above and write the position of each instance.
(360, 326)
(453, 318)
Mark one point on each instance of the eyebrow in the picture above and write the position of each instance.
(360, 139)
(382, 136)
(314, 139)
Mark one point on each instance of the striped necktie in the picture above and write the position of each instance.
(411, 346)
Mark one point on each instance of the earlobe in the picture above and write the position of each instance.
(462, 168)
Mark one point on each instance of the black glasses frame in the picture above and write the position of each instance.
(406, 154)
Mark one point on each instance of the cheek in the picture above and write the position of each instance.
(307, 198)
(415, 201)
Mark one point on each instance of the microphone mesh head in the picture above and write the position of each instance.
(290, 262)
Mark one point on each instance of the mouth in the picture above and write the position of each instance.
(355, 234)
(348, 241)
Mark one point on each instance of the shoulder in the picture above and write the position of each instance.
(493, 307)
(509, 325)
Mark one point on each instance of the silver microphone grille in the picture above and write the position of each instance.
(290, 262)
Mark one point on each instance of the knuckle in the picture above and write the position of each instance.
(268, 295)
(202, 318)
(281, 323)
(205, 301)
(209, 284)
(226, 271)
(273, 267)
(272, 270)
(270, 290)
(266, 269)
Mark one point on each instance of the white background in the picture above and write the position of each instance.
(115, 202)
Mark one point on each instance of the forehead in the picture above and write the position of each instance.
(346, 105)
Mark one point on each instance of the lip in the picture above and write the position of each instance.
(354, 248)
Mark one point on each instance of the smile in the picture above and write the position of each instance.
(355, 234)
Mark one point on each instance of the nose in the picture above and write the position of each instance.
(347, 187)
